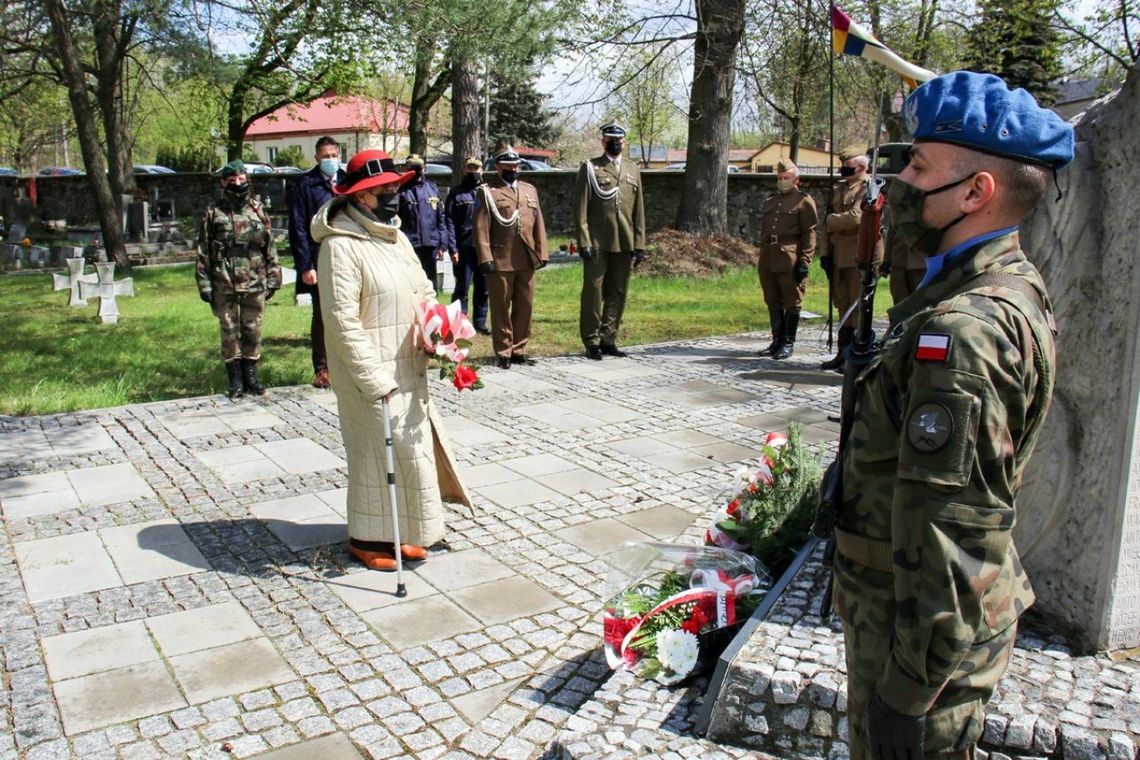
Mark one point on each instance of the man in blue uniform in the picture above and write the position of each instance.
(460, 210)
(422, 217)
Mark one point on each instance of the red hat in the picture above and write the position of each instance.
(370, 168)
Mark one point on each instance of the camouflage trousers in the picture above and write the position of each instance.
(239, 316)
(864, 599)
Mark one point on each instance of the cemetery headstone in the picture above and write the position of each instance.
(71, 280)
(107, 289)
(16, 233)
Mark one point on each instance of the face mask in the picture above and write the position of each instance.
(509, 175)
(470, 180)
(847, 171)
(387, 205)
(419, 173)
(329, 166)
(238, 192)
(785, 185)
(613, 147)
(907, 202)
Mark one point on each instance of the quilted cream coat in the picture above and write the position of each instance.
(370, 283)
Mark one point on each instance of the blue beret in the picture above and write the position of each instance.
(979, 111)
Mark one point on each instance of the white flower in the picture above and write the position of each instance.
(746, 475)
(677, 651)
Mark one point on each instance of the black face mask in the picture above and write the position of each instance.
(471, 180)
(847, 171)
(509, 175)
(613, 147)
(387, 205)
(419, 174)
(238, 193)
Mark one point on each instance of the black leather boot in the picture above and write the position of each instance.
(845, 335)
(233, 370)
(791, 324)
(777, 318)
(249, 377)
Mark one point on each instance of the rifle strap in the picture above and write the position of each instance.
(868, 552)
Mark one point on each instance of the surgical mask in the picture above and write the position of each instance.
(785, 186)
(907, 202)
(509, 175)
(613, 147)
(470, 180)
(329, 166)
(387, 205)
(847, 171)
(239, 192)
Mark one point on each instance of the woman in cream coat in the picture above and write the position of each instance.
(371, 283)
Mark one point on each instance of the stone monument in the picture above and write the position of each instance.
(1079, 510)
(71, 280)
(106, 289)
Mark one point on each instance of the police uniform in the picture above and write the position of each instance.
(842, 224)
(237, 271)
(459, 208)
(927, 580)
(422, 218)
(510, 241)
(609, 218)
(787, 244)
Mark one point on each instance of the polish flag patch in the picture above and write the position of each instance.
(933, 348)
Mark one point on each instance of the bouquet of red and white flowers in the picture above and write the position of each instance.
(672, 608)
(776, 502)
(445, 333)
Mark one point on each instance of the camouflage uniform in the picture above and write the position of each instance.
(237, 263)
(927, 580)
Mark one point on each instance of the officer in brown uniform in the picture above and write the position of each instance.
(510, 243)
(610, 221)
(839, 260)
(786, 247)
(905, 266)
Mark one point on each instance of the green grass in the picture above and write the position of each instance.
(58, 358)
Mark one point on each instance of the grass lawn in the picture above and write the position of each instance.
(58, 358)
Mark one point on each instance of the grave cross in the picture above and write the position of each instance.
(106, 288)
(71, 280)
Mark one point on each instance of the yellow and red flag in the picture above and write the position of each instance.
(848, 38)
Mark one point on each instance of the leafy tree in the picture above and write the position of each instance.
(291, 156)
(643, 98)
(518, 110)
(1105, 43)
(1016, 40)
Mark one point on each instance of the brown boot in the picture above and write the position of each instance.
(322, 379)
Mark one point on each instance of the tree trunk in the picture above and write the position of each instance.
(109, 28)
(85, 121)
(235, 121)
(466, 139)
(704, 205)
(426, 92)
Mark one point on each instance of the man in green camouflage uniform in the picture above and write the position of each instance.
(237, 273)
(927, 580)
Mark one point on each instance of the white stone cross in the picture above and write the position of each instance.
(71, 280)
(106, 289)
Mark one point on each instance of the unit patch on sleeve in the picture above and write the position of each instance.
(932, 347)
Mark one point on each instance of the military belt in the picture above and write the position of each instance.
(778, 239)
(868, 552)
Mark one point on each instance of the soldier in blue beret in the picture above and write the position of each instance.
(927, 580)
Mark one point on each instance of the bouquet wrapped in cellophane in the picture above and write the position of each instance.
(673, 608)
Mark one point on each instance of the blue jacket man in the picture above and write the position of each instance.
(460, 212)
(313, 190)
(422, 218)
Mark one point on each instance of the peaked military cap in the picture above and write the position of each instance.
(506, 155)
(473, 161)
(415, 159)
(613, 129)
(979, 111)
(237, 166)
(784, 165)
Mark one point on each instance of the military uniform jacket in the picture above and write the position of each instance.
(843, 223)
(787, 231)
(613, 225)
(946, 418)
(519, 245)
(235, 249)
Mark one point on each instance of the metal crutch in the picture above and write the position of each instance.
(388, 448)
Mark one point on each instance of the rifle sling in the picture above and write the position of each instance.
(864, 551)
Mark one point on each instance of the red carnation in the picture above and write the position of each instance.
(465, 377)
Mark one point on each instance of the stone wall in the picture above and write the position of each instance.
(69, 197)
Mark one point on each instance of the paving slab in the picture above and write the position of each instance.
(70, 655)
(514, 493)
(152, 550)
(370, 589)
(420, 621)
(109, 484)
(662, 523)
(65, 565)
(478, 704)
(79, 439)
(230, 669)
(505, 600)
(471, 433)
(203, 628)
(462, 569)
(599, 537)
(575, 481)
(331, 747)
(115, 696)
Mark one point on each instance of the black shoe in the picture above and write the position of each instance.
(593, 352)
(504, 362)
(249, 377)
(522, 359)
(613, 351)
(233, 370)
(834, 363)
(483, 330)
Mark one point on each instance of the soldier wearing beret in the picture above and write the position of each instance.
(927, 580)
(510, 242)
(610, 220)
(840, 261)
(237, 273)
(786, 247)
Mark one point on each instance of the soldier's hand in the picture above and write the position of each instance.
(487, 267)
(800, 272)
(207, 296)
(269, 293)
(455, 257)
(885, 269)
(892, 735)
(586, 252)
(827, 265)
(638, 255)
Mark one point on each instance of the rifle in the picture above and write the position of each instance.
(860, 353)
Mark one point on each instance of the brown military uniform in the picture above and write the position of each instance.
(842, 226)
(513, 236)
(908, 267)
(787, 238)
